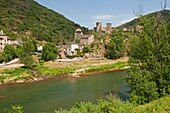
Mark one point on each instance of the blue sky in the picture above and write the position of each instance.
(88, 12)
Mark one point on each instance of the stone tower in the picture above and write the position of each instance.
(99, 26)
(78, 34)
(109, 27)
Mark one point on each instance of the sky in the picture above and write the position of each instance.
(88, 12)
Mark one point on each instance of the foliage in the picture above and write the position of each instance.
(161, 105)
(150, 61)
(116, 46)
(34, 43)
(1, 58)
(77, 41)
(20, 18)
(14, 109)
(87, 49)
(26, 52)
(49, 52)
(111, 105)
(2, 79)
(27, 60)
(9, 53)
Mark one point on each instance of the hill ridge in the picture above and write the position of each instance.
(165, 13)
(27, 18)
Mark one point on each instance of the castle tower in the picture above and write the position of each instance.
(109, 27)
(78, 34)
(99, 26)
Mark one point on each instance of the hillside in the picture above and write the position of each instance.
(164, 13)
(20, 18)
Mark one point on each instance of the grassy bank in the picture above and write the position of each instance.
(161, 105)
(42, 71)
(112, 105)
(54, 71)
(14, 74)
(107, 66)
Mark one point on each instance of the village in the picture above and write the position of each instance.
(81, 41)
(84, 54)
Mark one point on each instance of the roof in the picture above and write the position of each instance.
(78, 30)
(2, 33)
(86, 36)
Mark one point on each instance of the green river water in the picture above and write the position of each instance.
(52, 94)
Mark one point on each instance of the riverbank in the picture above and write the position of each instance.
(61, 69)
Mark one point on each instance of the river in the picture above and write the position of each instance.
(52, 94)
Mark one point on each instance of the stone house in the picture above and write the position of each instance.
(72, 48)
(4, 40)
(87, 39)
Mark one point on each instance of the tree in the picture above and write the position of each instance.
(87, 49)
(34, 44)
(25, 53)
(8, 53)
(1, 58)
(149, 75)
(116, 47)
(49, 52)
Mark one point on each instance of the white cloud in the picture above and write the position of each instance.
(125, 20)
(114, 19)
(103, 17)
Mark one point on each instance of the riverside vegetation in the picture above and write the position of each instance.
(149, 76)
(111, 105)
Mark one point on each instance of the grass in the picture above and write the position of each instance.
(54, 71)
(13, 74)
(161, 105)
(16, 71)
(109, 66)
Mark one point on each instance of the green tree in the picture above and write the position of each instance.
(34, 44)
(8, 53)
(1, 58)
(116, 47)
(49, 52)
(87, 49)
(25, 53)
(149, 75)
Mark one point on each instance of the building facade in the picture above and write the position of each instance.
(72, 49)
(4, 40)
(87, 39)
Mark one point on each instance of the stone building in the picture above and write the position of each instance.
(72, 48)
(87, 39)
(103, 30)
(4, 40)
(84, 39)
(78, 34)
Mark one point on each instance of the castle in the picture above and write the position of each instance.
(103, 30)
